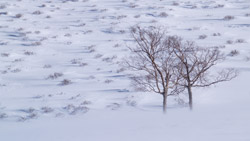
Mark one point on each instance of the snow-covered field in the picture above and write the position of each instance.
(60, 78)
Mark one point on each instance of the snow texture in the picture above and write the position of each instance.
(60, 78)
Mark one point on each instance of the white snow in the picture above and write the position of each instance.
(84, 40)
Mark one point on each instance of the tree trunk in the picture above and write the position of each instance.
(190, 96)
(164, 102)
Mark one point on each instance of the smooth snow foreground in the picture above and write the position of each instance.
(60, 78)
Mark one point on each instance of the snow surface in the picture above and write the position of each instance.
(45, 42)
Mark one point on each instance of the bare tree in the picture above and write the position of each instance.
(155, 62)
(195, 64)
